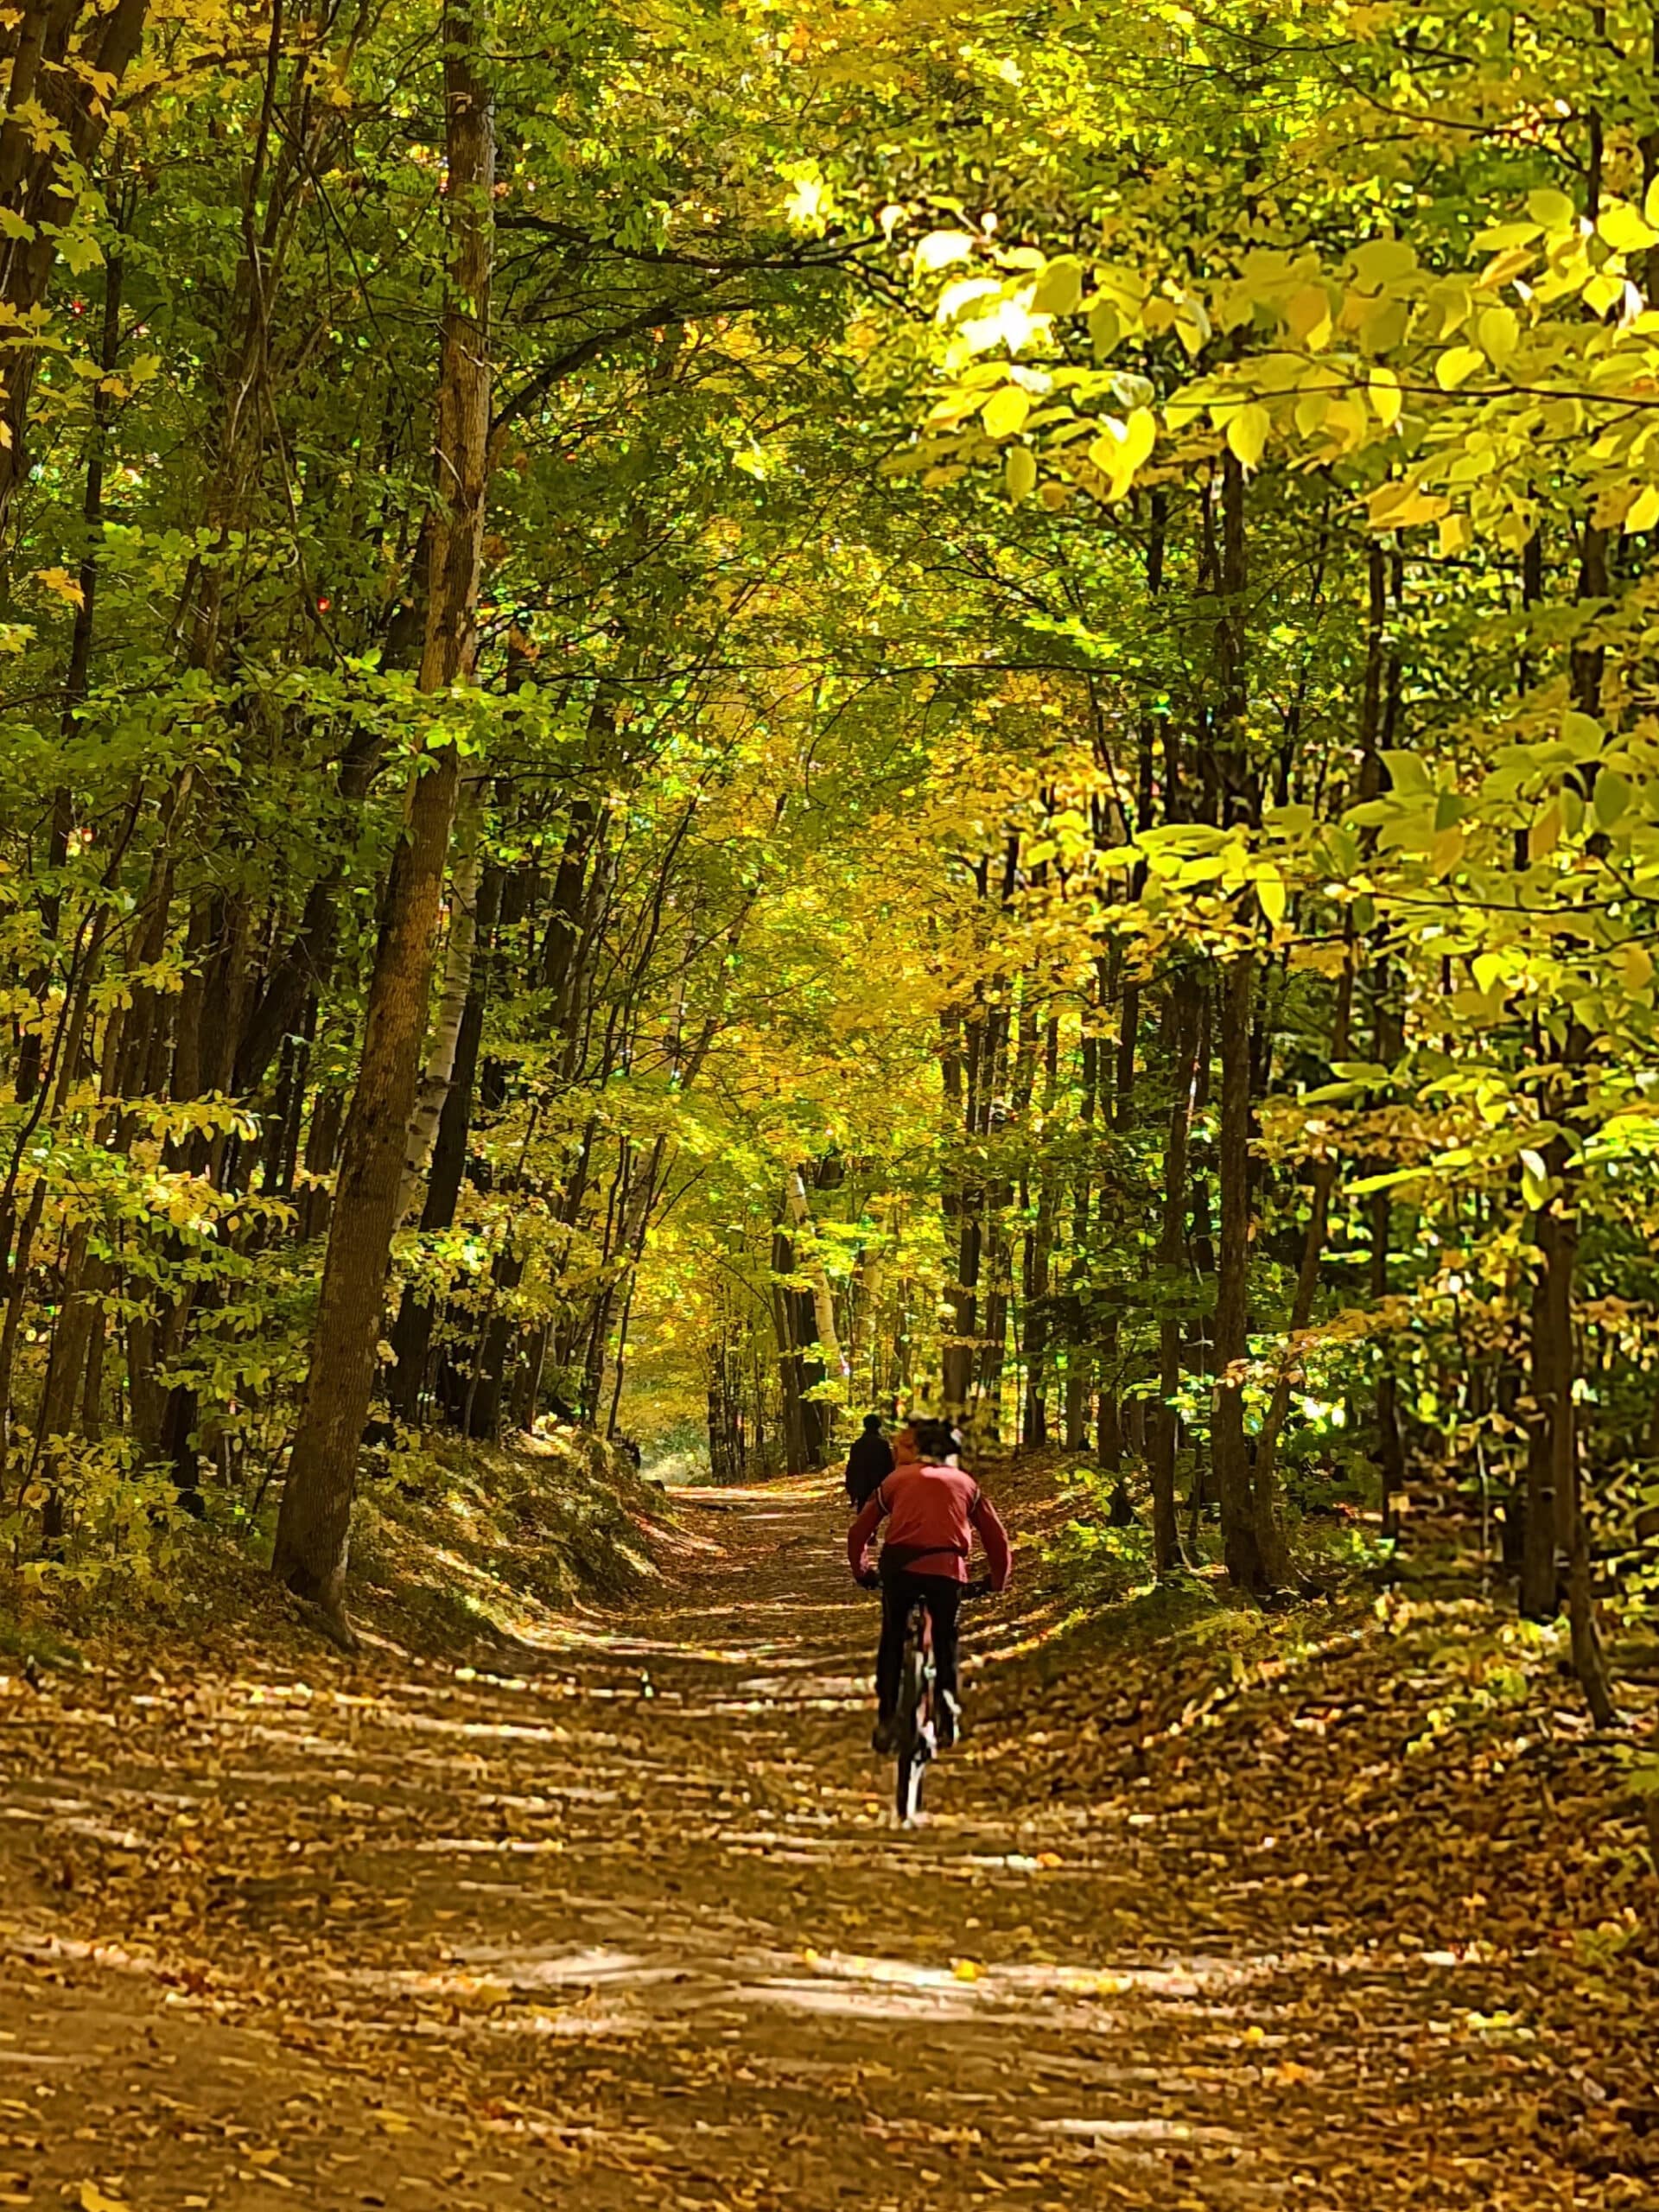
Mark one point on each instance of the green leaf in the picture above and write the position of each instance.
(1498, 330)
(1552, 209)
(1612, 798)
(1104, 328)
(1409, 774)
(1383, 261)
(1058, 290)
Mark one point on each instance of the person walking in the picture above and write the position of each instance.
(868, 1464)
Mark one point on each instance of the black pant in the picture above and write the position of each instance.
(942, 1594)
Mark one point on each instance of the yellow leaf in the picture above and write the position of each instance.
(1120, 449)
(1140, 435)
(1645, 511)
(1386, 397)
(1311, 411)
(1022, 472)
(1504, 266)
(60, 582)
(1400, 505)
(967, 1970)
(1636, 967)
(1498, 330)
(1457, 365)
(1247, 432)
(1456, 533)
(1545, 834)
(1344, 425)
(93, 2199)
(1309, 317)
(1603, 292)
(1624, 230)
(1005, 411)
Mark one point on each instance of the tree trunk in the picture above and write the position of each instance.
(55, 83)
(437, 1078)
(796, 1458)
(1550, 1330)
(416, 1315)
(1270, 1530)
(1238, 804)
(313, 1532)
(1241, 1545)
(798, 1207)
(1172, 1261)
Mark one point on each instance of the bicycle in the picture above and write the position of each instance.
(915, 1729)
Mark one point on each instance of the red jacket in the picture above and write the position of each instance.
(932, 1515)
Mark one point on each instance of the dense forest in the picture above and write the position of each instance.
(717, 715)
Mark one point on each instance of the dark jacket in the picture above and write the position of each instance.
(869, 1465)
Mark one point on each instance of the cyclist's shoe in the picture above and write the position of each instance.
(949, 1721)
(885, 1739)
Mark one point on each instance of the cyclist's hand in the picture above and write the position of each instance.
(869, 1580)
(981, 1588)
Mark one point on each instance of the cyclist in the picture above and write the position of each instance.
(933, 1510)
(870, 1458)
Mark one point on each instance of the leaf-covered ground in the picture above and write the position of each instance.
(1323, 1911)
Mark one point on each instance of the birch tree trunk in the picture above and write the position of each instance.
(799, 1209)
(313, 1532)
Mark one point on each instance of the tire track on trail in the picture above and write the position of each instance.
(635, 1927)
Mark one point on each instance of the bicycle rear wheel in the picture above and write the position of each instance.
(915, 1745)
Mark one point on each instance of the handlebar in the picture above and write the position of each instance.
(979, 1587)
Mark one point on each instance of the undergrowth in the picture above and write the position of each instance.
(457, 1548)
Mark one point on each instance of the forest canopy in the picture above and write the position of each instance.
(714, 716)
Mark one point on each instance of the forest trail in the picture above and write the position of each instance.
(637, 1929)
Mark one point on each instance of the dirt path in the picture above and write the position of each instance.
(637, 1929)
